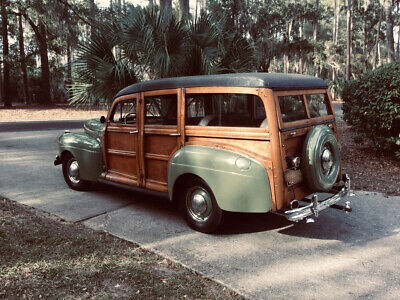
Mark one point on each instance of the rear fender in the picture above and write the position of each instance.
(239, 183)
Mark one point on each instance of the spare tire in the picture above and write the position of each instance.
(321, 158)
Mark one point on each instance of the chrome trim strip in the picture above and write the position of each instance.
(315, 206)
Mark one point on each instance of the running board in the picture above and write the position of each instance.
(135, 189)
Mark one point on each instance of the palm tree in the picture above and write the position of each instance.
(156, 46)
(98, 74)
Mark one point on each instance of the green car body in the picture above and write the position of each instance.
(86, 148)
(229, 174)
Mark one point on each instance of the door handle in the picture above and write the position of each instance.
(175, 134)
(134, 132)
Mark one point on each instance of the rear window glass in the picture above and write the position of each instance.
(318, 105)
(228, 110)
(292, 108)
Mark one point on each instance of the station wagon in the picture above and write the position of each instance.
(253, 143)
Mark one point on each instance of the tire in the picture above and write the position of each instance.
(71, 176)
(321, 159)
(206, 216)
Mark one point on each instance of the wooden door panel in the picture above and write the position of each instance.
(122, 141)
(159, 144)
(122, 145)
(158, 149)
(160, 136)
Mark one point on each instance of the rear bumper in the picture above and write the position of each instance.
(316, 206)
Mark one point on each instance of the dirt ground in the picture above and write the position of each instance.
(368, 170)
(42, 256)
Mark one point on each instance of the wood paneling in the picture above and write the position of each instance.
(121, 148)
(159, 142)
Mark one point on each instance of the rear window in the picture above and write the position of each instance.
(228, 110)
(317, 104)
(293, 107)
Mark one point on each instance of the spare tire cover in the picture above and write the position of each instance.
(321, 158)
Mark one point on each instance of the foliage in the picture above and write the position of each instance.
(220, 36)
(99, 75)
(372, 106)
(150, 44)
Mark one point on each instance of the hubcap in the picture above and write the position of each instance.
(73, 172)
(326, 160)
(199, 204)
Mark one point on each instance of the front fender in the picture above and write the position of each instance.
(239, 183)
(86, 150)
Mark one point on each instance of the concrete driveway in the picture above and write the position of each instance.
(259, 255)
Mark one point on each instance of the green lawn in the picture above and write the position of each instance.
(44, 257)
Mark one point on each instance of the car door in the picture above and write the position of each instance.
(121, 142)
(162, 135)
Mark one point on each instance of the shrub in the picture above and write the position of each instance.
(372, 107)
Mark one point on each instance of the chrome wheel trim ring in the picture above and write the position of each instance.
(73, 171)
(199, 204)
(326, 160)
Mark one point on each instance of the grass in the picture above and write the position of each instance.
(43, 257)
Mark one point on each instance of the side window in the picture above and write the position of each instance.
(125, 112)
(161, 110)
(292, 108)
(318, 105)
(228, 110)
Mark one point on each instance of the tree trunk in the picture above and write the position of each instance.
(285, 63)
(22, 59)
(92, 8)
(204, 5)
(336, 19)
(45, 97)
(348, 62)
(68, 80)
(300, 52)
(398, 34)
(6, 69)
(184, 9)
(377, 41)
(387, 5)
(166, 8)
(315, 36)
(315, 33)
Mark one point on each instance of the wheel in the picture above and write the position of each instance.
(199, 207)
(71, 174)
(321, 158)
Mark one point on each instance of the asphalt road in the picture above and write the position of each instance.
(346, 256)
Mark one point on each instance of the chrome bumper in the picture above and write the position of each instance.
(312, 209)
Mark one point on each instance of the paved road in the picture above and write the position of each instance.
(260, 255)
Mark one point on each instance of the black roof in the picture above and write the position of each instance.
(274, 81)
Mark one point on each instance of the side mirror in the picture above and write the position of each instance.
(102, 119)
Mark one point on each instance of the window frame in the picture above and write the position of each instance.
(114, 106)
(225, 131)
(309, 120)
